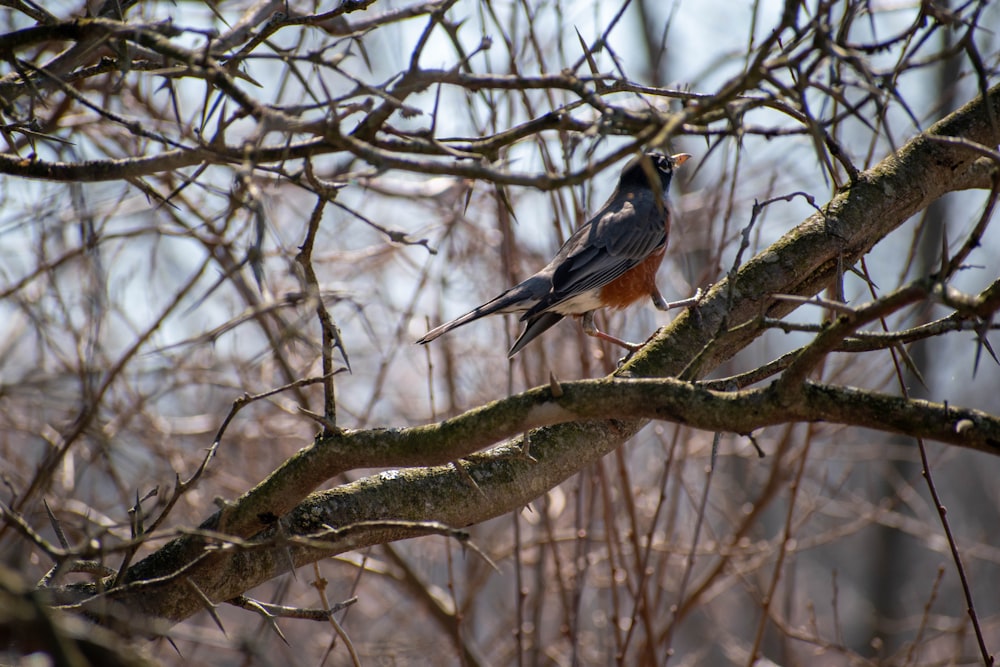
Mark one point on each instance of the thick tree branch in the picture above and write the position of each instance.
(505, 479)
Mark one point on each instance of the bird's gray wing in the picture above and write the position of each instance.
(622, 234)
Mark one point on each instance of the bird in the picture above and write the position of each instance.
(610, 261)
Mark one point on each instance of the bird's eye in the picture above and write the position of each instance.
(663, 163)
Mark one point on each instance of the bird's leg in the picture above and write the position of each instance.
(591, 329)
(662, 304)
(658, 300)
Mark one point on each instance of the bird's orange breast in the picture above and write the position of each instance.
(633, 285)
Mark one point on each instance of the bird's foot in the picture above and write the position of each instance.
(590, 328)
(662, 304)
(632, 349)
(686, 303)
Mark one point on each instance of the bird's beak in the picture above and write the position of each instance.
(680, 158)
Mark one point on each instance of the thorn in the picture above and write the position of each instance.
(554, 386)
(526, 448)
(464, 474)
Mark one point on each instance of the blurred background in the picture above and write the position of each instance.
(135, 310)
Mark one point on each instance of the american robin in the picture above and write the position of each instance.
(609, 262)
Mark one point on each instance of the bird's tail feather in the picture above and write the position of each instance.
(500, 304)
(537, 324)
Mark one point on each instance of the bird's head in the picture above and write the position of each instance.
(646, 168)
